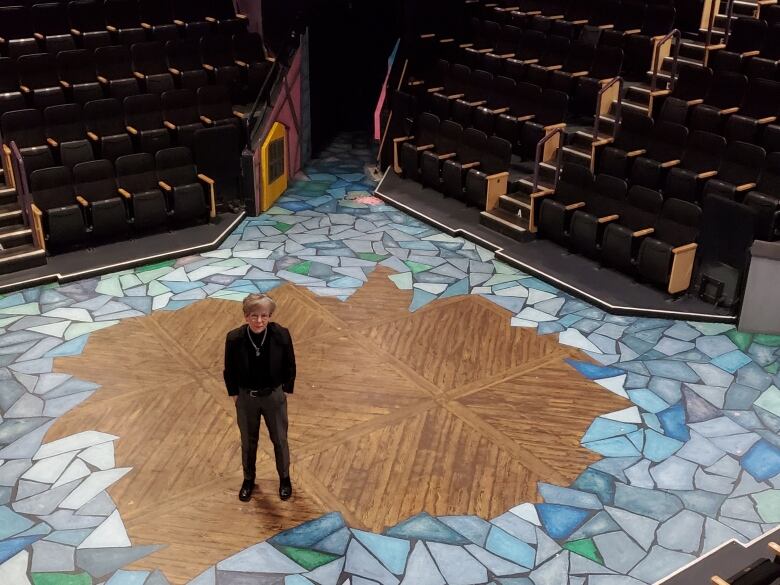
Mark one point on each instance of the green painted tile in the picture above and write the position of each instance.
(710, 328)
(110, 286)
(61, 579)
(24, 309)
(770, 340)
(772, 368)
(585, 548)
(308, 559)
(230, 263)
(78, 329)
(282, 227)
(372, 257)
(768, 504)
(157, 288)
(301, 268)
(741, 340)
(416, 267)
(403, 280)
(163, 264)
(129, 281)
(150, 275)
(770, 400)
(9, 320)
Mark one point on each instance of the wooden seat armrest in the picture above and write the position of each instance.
(745, 187)
(238, 114)
(470, 165)
(208, 67)
(24, 89)
(643, 233)
(36, 210)
(751, 53)
(543, 193)
(634, 153)
(715, 580)
(498, 110)
(609, 218)
(606, 26)
(146, 26)
(241, 63)
(102, 80)
(774, 547)
(178, 22)
(212, 194)
(695, 102)
(38, 224)
(525, 118)
(454, 96)
(465, 45)
(480, 51)
(424, 147)
(124, 193)
(447, 156)
(728, 111)
(427, 35)
(706, 174)
(580, 22)
(555, 126)
(632, 31)
(402, 139)
(92, 136)
(477, 103)
(38, 36)
(579, 73)
(132, 130)
(206, 120)
(51, 142)
(670, 163)
(416, 82)
(767, 120)
(169, 125)
(529, 61)
(111, 29)
(64, 84)
(83, 202)
(552, 67)
(173, 71)
(211, 19)
(574, 206)
(435, 89)
(503, 55)
(716, 47)
(684, 248)
(138, 75)
(75, 32)
(241, 16)
(164, 186)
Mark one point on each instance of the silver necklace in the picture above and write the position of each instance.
(262, 341)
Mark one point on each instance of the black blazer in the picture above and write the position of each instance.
(280, 354)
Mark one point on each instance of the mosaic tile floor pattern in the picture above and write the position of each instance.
(694, 462)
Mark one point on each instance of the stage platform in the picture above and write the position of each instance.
(107, 258)
(584, 278)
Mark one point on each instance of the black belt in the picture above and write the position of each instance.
(258, 392)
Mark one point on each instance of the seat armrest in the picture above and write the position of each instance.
(632, 31)
(684, 248)
(24, 89)
(111, 29)
(212, 196)
(767, 120)
(146, 25)
(670, 163)
(470, 165)
(75, 32)
(574, 206)
(178, 22)
(138, 75)
(706, 174)
(208, 67)
(174, 71)
(83, 202)
(424, 147)
(634, 153)
(165, 186)
(745, 187)
(401, 139)
(477, 103)
(525, 118)
(241, 16)
(64, 84)
(552, 67)
(169, 125)
(238, 114)
(211, 19)
(608, 218)
(241, 63)
(695, 102)
(447, 156)
(579, 73)
(728, 111)
(206, 120)
(102, 80)
(38, 36)
(51, 142)
(92, 136)
(132, 130)
(499, 110)
(750, 53)
(643, 233)
(124, 193)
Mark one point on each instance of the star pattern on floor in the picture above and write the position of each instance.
(694, 462)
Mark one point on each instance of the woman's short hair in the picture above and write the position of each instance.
(255, 301)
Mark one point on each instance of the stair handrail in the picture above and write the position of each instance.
(618, 110)
(729, 16)
(23, 195)
(540, 150)
(677, 36)
(711, 21)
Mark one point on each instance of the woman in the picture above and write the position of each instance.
(259, 372)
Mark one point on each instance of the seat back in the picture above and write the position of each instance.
(25, 127)
(175, 166)
(703, 152)
(449, 136)
(761, 100)
(426, 129)
(113, 62)
(50, 18)
(214, 102)
(575, 181)
(189, 10)
(633, 130)
(86, 15)
(65, 122)
(471, 146)
(223, 164)
(580, 58)
(38, 71)
(667, 141)
(136, 173)
(104, 117)
(122, 13)
(631, 15)
(726, 232)
(727, 90)
(607, 62)
(248, 47)
(15, 23)
(747, 34)
(155, 12)
(216, 50)
(693, 82)
(742, 163)
(9, 80)
(94, 180)
(659, 20)
(183, 54)
(143, 111)
(552, 107)
(149, 58)
(643, 207)
(76, 66)
(769, 183)
(496, 156)
(525, 98)
(678, 223)
(180, 107)
(52, 187)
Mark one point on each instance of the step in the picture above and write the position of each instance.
(527, 185)
(504, 222)
(668, 62)
(634, 106)
(578, 152)
(10, 214)
(517, 203)
(12, 236)
(20, 258)
(7, 195)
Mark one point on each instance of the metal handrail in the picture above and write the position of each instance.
(540, 149)
(618, 110)
(729, 15)
(673, 34)
(711, 22)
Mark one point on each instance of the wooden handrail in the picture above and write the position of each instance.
(618, 110)
(540, 150)
(673, 34)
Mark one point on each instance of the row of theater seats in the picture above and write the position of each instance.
(32, 27)
(753, 48)
(101, 201)
(68, 134)
(464, 164)
(665, 243)
(81, 75)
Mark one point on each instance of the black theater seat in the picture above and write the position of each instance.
(223, 14)
(55, 209)
(574, 188)
(639, 48)
(216, 54)
(106, 128)
(186, 191)
(124, 22)
(66, 132)
(607, 64)
(180, 112)
(96, 191)
(184, 64)
(221, 165)
(145, 123)
(190, 17)
(115, 72)
(38, 80)
(745, 40)
(630, 141)
(17, 34)
(11, 97)
(88, 23)
(150, 66)
(622, 238)
(764, 200)
(470, 149)
(50, 21)
(738, 172)
(408, 148)
(759, 108)
(666, 258)
(77, 75)
(603, 206)
(137, 181)
(446, 145)
(214, 107)
(488, 181)
(664, 150)
(157, 19)
(700, 161)
(723, 99)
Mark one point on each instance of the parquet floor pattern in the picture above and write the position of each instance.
(447, 410)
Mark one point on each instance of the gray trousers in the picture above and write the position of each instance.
(273, 409)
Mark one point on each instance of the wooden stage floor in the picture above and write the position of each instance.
(448, 410)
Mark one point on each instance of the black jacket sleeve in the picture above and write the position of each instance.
(289, 365)
(230, 373)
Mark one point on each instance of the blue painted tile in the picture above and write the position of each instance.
(473, 528)
(307, 534)
(613, 447)
(598, 483)
(647, 400)
(731, 361)
(658, 447)
(391, 552)
(73, 347)
(423, 526)
(505, 545)
(762, 461)
(560, 521)
(593, 372)
(8, 548)
(672, 420)
(603, 428)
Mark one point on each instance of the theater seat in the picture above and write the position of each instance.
(106, 128)
(115, 72)
(180, 112)
(137, 181)
(150, 66)
(445, 147)
(622, 238)
(604, 205)
(38, 80)
(96, 191)
(50, 21)
(738, 171)
(184, 64)
(700, 161)
(663, 151)
(630, 141)
(488, 181)
(157, 19)
(77, 75)
(666, 258)
(214, 108)
(144, 122)
(555, 210)
(470, 149)
(88, 24)
(190, 197)
(764, 199)
(407, 149)
(55, 211)
(123, 21)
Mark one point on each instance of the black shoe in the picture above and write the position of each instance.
(245, 493)
(285, 488)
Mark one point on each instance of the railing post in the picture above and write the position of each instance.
(540, 149)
